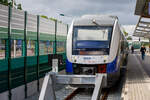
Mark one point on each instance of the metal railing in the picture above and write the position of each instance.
(51, 79)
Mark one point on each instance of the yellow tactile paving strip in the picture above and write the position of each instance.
(137, 86)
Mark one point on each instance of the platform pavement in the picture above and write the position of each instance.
(137, 85)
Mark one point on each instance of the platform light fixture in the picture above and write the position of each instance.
(61, 14)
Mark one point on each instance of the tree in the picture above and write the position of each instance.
(43, 16)
(4, 2)
(129, 38)
(125, 33)
(19, 7)
(9, 3)
(53, 19)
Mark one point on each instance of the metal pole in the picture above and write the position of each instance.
(66, 40)
(67, 28)
(149, 45)
(25, 52)
(13, 6)
(9, 51)
(14, 48)
(55, 51)
(38, 34)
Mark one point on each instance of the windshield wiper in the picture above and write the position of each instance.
(94, 21)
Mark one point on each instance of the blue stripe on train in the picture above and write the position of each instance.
(112, 67)
(69, 67)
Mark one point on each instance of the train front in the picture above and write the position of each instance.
(88, 45)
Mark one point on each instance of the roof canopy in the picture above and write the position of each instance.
(142, 8)
(143, 26)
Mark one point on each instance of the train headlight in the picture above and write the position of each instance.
(102, 68)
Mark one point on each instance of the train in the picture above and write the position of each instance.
(96, 44)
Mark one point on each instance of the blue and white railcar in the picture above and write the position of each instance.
(96, 44)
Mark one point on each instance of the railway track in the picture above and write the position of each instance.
(105, 94)
(79, 94)
(79, 91)
(74, 93)
(113, 93)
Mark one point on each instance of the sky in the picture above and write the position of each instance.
(124, 9)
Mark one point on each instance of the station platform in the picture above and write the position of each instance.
(137, 84)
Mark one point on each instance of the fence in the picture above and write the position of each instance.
(25, 42)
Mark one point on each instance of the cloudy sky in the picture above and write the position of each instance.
(124, 9)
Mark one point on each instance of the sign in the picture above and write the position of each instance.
(55, 65)
(55, 61)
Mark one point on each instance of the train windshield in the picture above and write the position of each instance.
(91, 40)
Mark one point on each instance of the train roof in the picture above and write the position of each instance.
(102, 20)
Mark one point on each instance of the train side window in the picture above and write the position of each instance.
(31, 48)
(16, 48)
(2, 49)
(60, 46)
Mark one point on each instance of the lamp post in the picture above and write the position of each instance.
(61, 14)
(13, 6)
(67, 16)
(64, 15)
